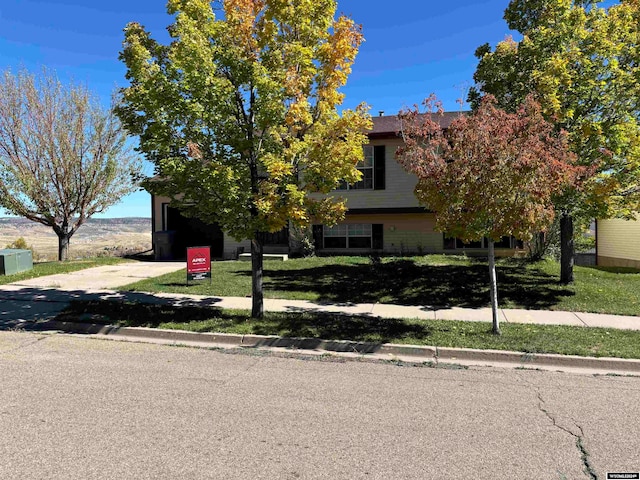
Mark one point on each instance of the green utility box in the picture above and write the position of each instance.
(15, 261)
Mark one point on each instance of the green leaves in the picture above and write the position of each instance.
(240, 115)
(582, 62)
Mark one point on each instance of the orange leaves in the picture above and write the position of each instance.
(337, 55)
(241, 16)
(490, 173)
(241, 112)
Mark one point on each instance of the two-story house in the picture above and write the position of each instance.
(383, 217)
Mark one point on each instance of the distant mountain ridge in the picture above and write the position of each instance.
(91, 221)
(98, 236)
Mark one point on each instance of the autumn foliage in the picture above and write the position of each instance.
(581, 60)
(63, 157)
(240, 113)
(490, 173)
(255, 94)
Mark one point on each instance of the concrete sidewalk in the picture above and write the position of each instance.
(44, 297)
(41, 303)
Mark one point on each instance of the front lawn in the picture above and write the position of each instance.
(566, 340)
(53, 268)
(435, 280)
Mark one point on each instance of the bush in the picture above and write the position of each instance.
(302, 244)
(20, 244)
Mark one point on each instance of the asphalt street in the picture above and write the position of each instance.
(78, 408)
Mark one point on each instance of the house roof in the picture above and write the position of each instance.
(386, 126)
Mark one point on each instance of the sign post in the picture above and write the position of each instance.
(198, 263)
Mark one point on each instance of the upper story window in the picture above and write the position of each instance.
(372, 168)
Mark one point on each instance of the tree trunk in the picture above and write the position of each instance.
(63, 243)
(567, 252)
(493, 287)
(257, 295)
(537, 246)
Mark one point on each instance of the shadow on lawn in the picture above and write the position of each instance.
(311, 325)
(403, 282)
(340, 327)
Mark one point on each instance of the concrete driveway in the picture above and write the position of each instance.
(107, 277)
(42, 298)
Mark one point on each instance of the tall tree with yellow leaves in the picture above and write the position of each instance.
(582, 62)
(240, 114)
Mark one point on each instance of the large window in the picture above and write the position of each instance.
(356, 235)
(366, 167)
(457, 244)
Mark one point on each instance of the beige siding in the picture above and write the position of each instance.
(157, 212)
(619, 242)
(399, 184)
(412, 233)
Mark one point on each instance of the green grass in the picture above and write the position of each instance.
(436, 280)
(583, 341)
(53, 268)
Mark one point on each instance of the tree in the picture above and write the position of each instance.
(63, 157)
(240, 117)
(582, 62)
(490, 174)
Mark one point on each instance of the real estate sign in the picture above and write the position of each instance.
(198, 263)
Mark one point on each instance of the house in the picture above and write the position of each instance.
(618, 243)
(383, 217)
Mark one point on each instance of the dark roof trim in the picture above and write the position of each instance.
(388, 126)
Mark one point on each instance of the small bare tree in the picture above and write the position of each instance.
(63, 157)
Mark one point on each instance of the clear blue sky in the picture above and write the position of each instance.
(412, 48)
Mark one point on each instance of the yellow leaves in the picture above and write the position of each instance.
(337, 55)
(277, 205)
(260, 84)
(277, 168)
(507, 46)
(299, 114)
(241, 17)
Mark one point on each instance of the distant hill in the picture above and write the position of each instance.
(91, 221)
(98, 236)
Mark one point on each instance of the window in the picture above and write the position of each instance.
(356, 235)
(366, 167)
(457, 244)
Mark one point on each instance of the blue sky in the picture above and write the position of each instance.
(412, 48)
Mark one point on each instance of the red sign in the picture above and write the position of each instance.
(198, 263)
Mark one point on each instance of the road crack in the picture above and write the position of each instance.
(584, 453)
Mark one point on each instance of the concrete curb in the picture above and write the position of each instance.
(538, 360)
(411, 353)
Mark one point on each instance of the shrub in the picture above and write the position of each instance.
(20, 244)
